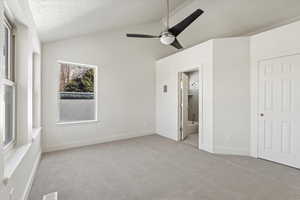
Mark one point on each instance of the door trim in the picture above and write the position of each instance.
(200, 107)
(254, 77)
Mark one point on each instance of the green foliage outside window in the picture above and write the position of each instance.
(82, 84)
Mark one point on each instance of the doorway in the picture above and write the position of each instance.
(278, 110)
(189, 107)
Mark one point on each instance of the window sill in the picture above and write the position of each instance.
(15, 156)
(77, 122)
(13, 160)
(36, 132)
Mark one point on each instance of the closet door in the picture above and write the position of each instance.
(279, 110)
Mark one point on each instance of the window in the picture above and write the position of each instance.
(9, 112)
(36, 91)
(7, 88)
(77, 93)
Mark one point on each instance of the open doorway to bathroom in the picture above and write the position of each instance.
(189, 107)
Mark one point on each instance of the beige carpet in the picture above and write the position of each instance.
(155, 168)
(192, 140)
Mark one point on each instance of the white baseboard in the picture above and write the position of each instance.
(95, 141)
(168, 137)
(206, 147)
(167, 134)
(231, 151)
(31, 178)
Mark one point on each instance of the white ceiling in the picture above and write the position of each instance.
(58, 19)
(229, 18)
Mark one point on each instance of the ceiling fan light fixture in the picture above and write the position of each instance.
(167, 38)
(169, 35)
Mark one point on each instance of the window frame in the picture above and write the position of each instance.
(10, 54)
(36, 90)
(12, 143)
(95, 120)
(8, 81)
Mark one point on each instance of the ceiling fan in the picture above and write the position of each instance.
(168, 36)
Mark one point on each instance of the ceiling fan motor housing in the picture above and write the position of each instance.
(167, 38)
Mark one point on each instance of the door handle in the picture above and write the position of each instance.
(262, 114)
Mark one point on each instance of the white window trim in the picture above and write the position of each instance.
(8, 81)
(10, 32)
(78, 122)
(58, 122)
(11, 144)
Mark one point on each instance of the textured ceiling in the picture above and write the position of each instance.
(229, 18)
(58, 19)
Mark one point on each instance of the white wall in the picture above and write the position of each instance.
(19, 166)
(224, 114)
(277, 42)
(126, 86)
(282, 41)
(231, 96)
(167, 69)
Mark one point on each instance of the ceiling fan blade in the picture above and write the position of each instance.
(178, 28)
(141, 35)
(177, 44)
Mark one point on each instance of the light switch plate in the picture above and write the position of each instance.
(165, 89)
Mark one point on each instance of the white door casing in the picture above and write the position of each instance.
(279, 110)
(184, 105)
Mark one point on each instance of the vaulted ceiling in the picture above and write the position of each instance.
(232, 18)
(59, 19)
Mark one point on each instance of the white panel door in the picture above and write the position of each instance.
(184, 105)
(279, 110)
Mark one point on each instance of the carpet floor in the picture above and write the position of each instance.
(192, 140)
(156, 168)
